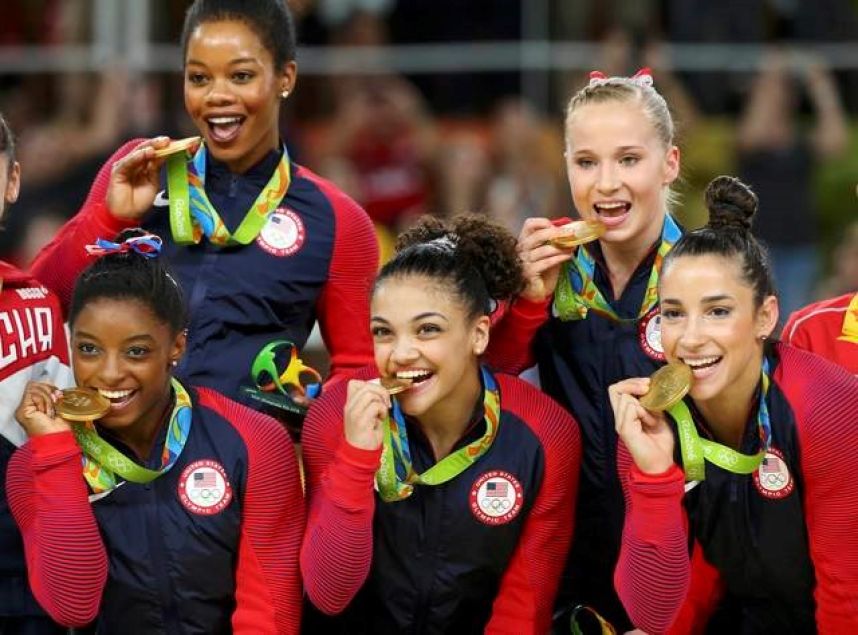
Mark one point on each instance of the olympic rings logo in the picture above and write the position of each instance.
(775, 479)
(497, 505)
(209, 494)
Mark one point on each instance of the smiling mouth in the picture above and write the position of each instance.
(701, 364)
(118, 398)
(415, 376)
(224, 129)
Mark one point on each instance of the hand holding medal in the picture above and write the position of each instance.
(644, 430)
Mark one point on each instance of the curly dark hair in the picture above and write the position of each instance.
(131, 276)
(473, 255)
(732, 205)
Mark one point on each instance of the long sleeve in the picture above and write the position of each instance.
(509, 348)
(526, 596)
(703, 596)
(268, 580)
(66, 559)
(653, 574)
(343, 305)
(61, 260)
(337, 551)
(823, 397)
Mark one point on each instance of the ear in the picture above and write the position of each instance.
(13, 184)
(178, 347)
(481, 334)
(767, 317)
(288, 77)
(671, 165)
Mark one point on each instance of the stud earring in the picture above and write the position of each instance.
(174, 363)
(284, 94)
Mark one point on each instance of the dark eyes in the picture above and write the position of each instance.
(85, 348)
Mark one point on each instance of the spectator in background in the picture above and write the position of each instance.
(844, 266)
(382, 148)
(776, 158)
(527, 162)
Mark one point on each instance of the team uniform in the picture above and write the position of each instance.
(578, 360)
(828, 328)
(210, 546)
(778, 546)
(315, 257)
(481, 552)
(32, 348)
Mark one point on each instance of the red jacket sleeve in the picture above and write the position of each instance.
(823, 397)
(66, 558)
(653, 573)
(703, 597)
(337, 551)
(509, 348)
(526, 596)
(268, 581)
(343, 306)
(60, 261)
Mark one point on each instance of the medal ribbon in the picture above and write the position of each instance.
(396, 476)
(577, 293)
(192, 214)
(850, 322)
(102, 463)
(694, 449)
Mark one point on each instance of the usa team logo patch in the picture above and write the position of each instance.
(283, 233)
(649, 334)
(496, 497)
(204, 488)
(773, 478)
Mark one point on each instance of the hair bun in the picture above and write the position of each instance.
(731, 203)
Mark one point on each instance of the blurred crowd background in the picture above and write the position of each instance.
(440, 106)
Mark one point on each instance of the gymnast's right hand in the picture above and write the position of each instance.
(36, 412)
(367, 404)
(135, 180)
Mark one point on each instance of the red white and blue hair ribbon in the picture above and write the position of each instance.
(147, 245)
(642, 78)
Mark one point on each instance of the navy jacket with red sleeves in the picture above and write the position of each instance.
(211, 546)
(481, 552)
(315, 258)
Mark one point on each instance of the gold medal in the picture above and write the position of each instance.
(394, 386)
(81, 404)
(667, 386)
(578, 232)
(180, 145)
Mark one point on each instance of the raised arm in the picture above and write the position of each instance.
(337, 551)
(526, 597)
(120, 196)
(509, 349)
(653, 571)
(343, 306)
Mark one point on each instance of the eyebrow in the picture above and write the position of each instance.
(238, 60)
(141, 336)
(619, 150)
(416, 318)
(707, 299)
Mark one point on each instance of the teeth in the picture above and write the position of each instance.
(617, 205)
(222, 121)
(412, 374)
(703, 361)
(114, 394)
